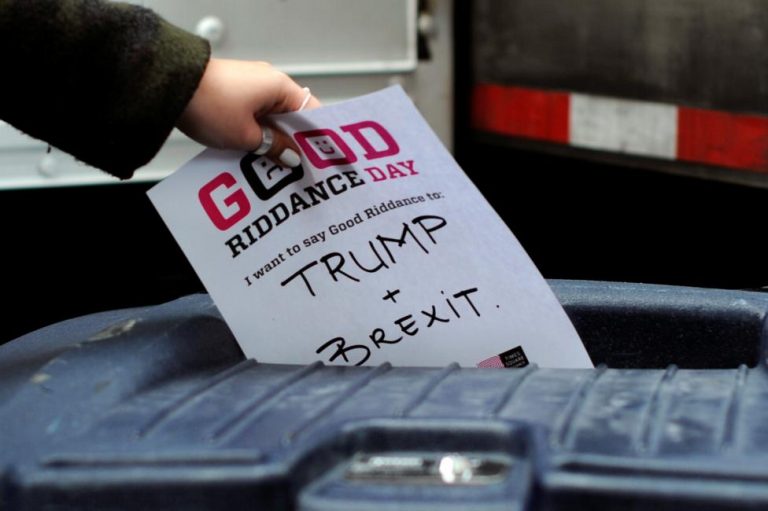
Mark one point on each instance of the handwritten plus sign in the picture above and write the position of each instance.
(391, 295)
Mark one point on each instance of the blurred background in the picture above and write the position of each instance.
(621, 140)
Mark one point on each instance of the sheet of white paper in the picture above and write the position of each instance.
(378, 248)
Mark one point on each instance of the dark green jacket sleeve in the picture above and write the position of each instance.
(102, 81)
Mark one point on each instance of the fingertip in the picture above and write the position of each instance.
(313, 103)
(290, 158)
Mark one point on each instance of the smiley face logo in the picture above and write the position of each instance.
(324, 148)
(266, 169)
(267, 177)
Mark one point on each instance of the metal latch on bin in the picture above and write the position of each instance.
(429, 468)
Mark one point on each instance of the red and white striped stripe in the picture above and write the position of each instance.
(638, 128)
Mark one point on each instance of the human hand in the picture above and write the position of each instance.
(232, 97)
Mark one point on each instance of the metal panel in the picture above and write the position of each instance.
(305, 37)
(706, 53)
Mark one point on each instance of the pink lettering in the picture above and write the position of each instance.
(408, 164)
(376, 173)
(324, 148)
(362, 131)
(394, 172)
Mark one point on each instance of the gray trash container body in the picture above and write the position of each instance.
(156, 408)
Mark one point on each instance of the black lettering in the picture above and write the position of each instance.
(284, 213)
(353, 178)
(433, 317)
(336, 269)
(465, 294)
(298, 204)
(317, 191)
(342, 349)
(409, 327)
(304, 277)
(333, 188)
(236, 245)
(381, 264)
(251, 238)
(378, 338)
(262, 224)
(429, 230)
(448, 301)
(400, 241)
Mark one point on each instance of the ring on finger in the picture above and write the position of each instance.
(267, 138)
(307, 97)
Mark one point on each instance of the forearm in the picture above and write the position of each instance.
(105, 82)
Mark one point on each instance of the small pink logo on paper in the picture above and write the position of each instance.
(491, 363)
(510, 358)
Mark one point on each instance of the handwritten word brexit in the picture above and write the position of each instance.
(409, 325)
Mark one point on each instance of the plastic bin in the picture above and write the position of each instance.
(155, 408)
